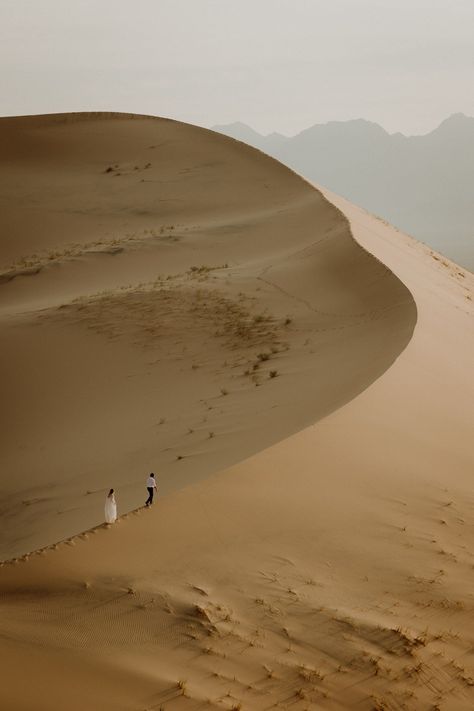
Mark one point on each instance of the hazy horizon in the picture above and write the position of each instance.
(402, 179)
(323, 123)
(276, 65)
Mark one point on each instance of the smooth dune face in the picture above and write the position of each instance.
(171, 301)
(331, 571)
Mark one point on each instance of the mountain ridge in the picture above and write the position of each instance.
(423, 184)
(455, 117)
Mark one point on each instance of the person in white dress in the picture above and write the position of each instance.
(110, 507)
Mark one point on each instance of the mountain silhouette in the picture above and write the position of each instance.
(423, 185)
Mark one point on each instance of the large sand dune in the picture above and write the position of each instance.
(155, 276)
(331, 570)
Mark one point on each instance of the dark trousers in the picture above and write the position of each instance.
(151, 490)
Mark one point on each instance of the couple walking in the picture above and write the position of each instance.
(111, 504)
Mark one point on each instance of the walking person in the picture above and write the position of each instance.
(151, 486)
(110, 507)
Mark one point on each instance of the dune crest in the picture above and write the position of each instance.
(171, 301)
(330, 570)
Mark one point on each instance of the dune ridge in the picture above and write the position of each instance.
(197, 288)
(330, 570)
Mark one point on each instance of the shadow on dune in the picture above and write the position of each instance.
(238, 310)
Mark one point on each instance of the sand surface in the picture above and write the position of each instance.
(155, 277)
(331, 566)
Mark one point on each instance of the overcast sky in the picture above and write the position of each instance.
(278, 65)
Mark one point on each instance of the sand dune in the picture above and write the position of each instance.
(171, 273)
(330, 570)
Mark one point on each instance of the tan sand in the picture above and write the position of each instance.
(156, 305)
(332, 570)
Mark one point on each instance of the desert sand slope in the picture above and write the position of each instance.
(331, 571)
(170, 300)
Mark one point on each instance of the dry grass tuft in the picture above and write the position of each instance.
(151, 315)
(181, 684)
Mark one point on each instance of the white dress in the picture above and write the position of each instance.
(110, 509)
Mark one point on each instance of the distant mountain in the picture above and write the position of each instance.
(422, 184)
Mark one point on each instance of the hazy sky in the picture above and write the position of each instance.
(275, 64)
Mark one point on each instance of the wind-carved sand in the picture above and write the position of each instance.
(329, 570)
(188, 302)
